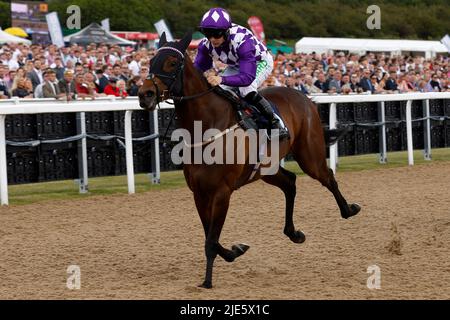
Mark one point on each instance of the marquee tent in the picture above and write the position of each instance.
(94, 33)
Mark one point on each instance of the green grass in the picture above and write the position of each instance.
(68, 189)
(371, 161)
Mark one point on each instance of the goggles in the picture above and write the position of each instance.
(213, 33)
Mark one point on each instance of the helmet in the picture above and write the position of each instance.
(216, 18)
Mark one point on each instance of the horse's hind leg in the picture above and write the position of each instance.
(285, 180)
(311, 157)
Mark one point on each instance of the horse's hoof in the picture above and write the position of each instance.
(206, 285)
(297, 236)
(354, 209)
(240, 249)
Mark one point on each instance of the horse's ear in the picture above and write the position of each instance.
(185, 41)
(162, 40)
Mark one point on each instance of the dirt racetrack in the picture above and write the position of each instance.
(150, 245)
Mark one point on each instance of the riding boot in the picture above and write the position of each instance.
(266, 110)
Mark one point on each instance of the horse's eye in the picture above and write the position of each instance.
(173, 63)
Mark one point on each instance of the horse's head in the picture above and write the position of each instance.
(166, 73)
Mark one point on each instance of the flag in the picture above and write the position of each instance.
(446, 42)
(161, 27)
(105, 25)
(54, 29)
(257, 28)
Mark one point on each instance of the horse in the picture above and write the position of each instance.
(173, 76)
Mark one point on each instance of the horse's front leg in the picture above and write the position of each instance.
(205, 203)
(219, 203)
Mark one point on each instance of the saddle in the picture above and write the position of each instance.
(248, 116)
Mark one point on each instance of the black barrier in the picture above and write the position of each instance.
(42, 157)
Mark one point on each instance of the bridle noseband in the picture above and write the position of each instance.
(171, 80)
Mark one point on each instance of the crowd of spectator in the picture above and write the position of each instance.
(71, 72)
(99, 70)
(350, 73)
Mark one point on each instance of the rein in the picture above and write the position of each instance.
(161, 96)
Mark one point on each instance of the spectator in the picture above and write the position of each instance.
(35, 75)
(321, 82)
(67, 86)
(4, 91)
(376, 86)
(125, 73)
(354, 83)
(89, 81)
(39, 91)
(50, 88)
(391, 83)
(58, 67)
(310, 87)
(335, 83)
(366, 83)
(116, 71)
(134, 65)
(382, 82)
(132, 86)
(23, 89)
(102, 81)
(143, 74)
(345, 84)
(122, 88)
(81, 88)
(434, 83)
(113, 89)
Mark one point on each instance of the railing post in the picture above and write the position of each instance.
(155, 164)
(129, 151)
(409, 133)
(333, 147)
(82, 154)
(427, 130)
(382, 117)
(3, 163)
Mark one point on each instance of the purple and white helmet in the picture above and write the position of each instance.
(216, 18)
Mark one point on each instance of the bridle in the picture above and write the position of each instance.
(170, 80)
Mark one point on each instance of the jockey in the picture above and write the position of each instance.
(247, 59)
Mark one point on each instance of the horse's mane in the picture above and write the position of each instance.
(198, 72)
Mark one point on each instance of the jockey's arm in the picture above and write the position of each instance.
(247, 67)
(203, 60)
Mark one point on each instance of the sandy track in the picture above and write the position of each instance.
(150, 245)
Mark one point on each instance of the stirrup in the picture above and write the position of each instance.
(282, 131)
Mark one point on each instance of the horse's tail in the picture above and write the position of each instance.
(334, 135)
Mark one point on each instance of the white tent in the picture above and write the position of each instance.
(7, 38)
(323, 45)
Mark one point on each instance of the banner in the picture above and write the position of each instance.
(105, 25)
(257, 28)
(446, 42)
(54, 28)
(161, 27)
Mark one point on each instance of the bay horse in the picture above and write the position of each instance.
(173, 76)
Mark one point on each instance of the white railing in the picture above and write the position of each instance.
(33, 106)
(333, 100)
